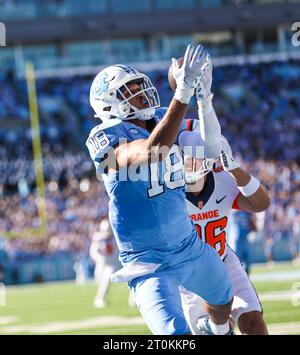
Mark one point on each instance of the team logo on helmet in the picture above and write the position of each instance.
(102, 84)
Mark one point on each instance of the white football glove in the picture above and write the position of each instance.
(204, 81)
(186, 75)
(226, 156)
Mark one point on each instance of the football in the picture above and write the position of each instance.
(171, 79)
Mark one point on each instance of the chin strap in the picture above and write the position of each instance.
(193, 177)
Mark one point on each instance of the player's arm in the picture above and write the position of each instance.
(253, 197)
(110, 150)
(165, 133)
(209, 126)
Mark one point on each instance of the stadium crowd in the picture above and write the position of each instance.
(258, 106)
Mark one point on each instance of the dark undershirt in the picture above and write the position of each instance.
(206, 192)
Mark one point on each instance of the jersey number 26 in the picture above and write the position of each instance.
(214, 234)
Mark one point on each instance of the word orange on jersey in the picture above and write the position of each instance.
(204, 215)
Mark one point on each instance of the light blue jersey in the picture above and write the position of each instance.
(147, 207)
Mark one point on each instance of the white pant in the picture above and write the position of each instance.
(103, 272)
(245, 297)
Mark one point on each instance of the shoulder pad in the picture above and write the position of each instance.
(104, 137)
(104, 125)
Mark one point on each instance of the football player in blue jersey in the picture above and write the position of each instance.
(136, 153)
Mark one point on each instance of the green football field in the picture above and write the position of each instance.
(66, 308)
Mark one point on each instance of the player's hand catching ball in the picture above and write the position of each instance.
(185, 76)
(204, 81)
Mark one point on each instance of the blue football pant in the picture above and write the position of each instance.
(158, 298)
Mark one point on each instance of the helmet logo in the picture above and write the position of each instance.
(102, 84)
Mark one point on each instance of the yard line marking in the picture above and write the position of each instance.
(276, 296)
(9, 320)
(284, 328)
(56, 327)
(288, 275)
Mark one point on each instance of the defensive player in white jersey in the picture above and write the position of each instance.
(104, 252)
(211, 195)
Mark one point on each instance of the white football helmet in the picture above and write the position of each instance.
(196, 166)
(195, 171)
(107, 94)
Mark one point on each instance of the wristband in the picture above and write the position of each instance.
(252, 186)
(183, 95)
